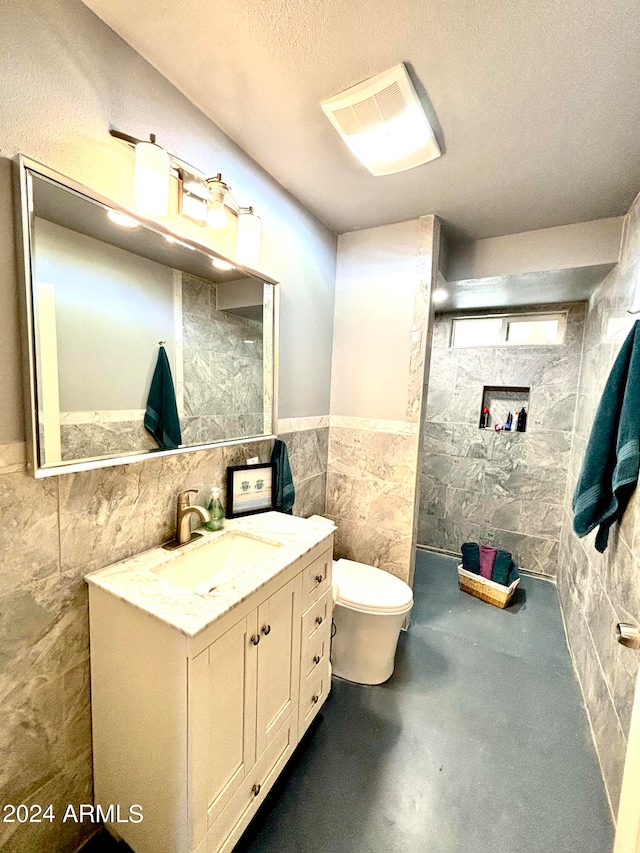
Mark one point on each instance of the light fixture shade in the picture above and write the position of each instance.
(216, 214)
(151, 181)
(249, 238)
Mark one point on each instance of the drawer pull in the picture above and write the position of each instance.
(315, 699)
(316, 659)
(319, 620)
(256, 790)
(255, 639)
(319, 578)
(266, 629)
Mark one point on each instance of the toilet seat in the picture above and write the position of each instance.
(370, 590)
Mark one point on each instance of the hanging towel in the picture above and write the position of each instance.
(471, 557)
(610, 467)
(161, 418)
(487, 558)
(503, 569)
(285, 493)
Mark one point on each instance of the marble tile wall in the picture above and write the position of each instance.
(506, 488)
(308, 454)
(599, 590)
(222, 368)
(55, 530)
(104, 438)
(370, 496)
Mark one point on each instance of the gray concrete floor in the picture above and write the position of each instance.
(479, 743)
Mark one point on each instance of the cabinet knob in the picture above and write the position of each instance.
(319, 620)
(316, 659)
(266, 629)
(255, 639)
(315, 699)
(256, 790)
(319, 578)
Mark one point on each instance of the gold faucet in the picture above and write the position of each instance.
(183, 520)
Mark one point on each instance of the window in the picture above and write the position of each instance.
(509, 330)
(478, 332)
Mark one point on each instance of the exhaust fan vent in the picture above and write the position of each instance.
(383, 123)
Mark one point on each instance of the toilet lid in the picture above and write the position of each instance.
(365, 588)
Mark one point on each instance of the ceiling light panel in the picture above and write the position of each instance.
(383, 123)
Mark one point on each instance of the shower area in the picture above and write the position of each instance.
(513, 489)
(501, 487)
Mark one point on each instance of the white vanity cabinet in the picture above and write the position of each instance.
(197, 729)
(243, 690)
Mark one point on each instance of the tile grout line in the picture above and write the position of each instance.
(59, 524)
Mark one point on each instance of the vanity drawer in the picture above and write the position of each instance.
(224, 832)
(316, 578)
(314, 690)
(315, 649)
(318, 616)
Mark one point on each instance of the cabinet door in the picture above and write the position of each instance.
(222, 707)
(278, 661)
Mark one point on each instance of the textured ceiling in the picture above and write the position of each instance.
(536, 105)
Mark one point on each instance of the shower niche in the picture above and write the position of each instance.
(499, 400)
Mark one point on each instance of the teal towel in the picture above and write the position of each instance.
(505, 570)
(285, 493)
(471, 557)
(161, 418)
(610, 467)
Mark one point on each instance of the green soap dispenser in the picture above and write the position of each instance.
(215, 511)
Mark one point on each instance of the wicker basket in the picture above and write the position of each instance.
(489, 591)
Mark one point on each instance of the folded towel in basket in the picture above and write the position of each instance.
(471, 557)
(502, 568)
(487, 558)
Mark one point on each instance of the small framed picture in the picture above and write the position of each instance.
(250, 489)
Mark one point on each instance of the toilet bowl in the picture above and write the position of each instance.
(369, 611)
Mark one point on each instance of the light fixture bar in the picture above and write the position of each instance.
(202, 199)
(179, 166)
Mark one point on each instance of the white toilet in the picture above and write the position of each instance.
(369, 611)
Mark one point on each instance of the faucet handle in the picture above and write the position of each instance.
(183, 497)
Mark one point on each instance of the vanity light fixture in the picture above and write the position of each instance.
(207, 201)
(248, 240)
(439, 296)
(122, 219)
(151, 178)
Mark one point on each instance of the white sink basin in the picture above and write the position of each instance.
(205, 568)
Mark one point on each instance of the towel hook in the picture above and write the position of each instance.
(633, 312)
(161, 343)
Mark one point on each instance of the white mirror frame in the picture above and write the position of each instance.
(24, 166)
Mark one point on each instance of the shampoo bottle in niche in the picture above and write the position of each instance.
(215, 511)
(509, 422)
(521, 425)
(484, 418)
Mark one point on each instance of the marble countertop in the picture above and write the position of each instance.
(133, 580)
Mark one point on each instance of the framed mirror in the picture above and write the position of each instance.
(107, 294)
